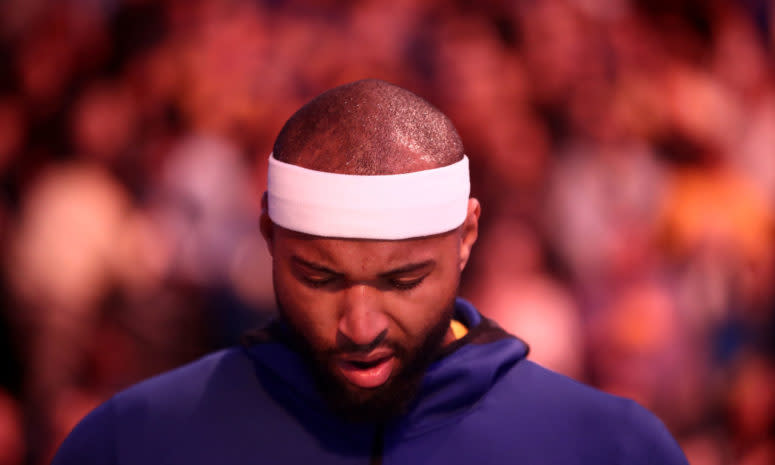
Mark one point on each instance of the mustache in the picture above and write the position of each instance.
(346, 345)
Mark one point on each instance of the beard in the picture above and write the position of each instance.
(371, 405)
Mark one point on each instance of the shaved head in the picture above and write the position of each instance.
(367, 297)
(368, 127)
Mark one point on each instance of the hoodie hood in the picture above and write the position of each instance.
(464, 372)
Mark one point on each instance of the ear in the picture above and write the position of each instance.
(469, 231)
(265, 223)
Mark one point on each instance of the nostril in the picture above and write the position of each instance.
(347, 344)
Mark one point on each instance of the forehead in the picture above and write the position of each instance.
(345, 253)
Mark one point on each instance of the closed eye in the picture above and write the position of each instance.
(318, 281)
(406, 284)
(409, 276)
(313, 275)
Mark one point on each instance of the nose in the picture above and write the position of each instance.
(362, 320)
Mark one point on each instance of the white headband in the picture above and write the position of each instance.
(396, 206)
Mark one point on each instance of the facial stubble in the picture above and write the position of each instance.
(372, 405)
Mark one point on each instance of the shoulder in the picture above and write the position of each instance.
(92, 441)
(554, 406)
(153, 408)
(189, 382)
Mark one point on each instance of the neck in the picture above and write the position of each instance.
(449, 338)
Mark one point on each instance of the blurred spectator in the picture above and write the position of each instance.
(526, 301)
(622, 150)
(12, 445)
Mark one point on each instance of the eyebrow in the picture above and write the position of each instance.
(408, 268)
(314, 266)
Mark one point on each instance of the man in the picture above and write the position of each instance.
(373, 359)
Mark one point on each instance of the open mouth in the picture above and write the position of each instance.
(363, 365)
(367, 373)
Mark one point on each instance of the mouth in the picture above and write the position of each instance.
(367, 372)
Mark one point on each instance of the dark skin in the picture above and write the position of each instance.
(368, 315)
(351, 298)
(368, 127)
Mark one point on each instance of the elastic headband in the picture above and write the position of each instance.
(395, 206)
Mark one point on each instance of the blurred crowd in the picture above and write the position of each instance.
(623, 151)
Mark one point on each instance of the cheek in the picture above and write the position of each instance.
(309, 312)
(417, 312)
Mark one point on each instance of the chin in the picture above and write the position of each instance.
(373, 405)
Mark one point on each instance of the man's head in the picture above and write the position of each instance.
(370, 313)
(368, 127)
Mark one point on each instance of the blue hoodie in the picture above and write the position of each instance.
(482, 402)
